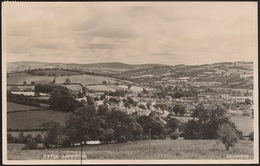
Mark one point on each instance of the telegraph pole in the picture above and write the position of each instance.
(150, 138)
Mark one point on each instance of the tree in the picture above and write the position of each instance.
(31, 144)
(104, 82)
(129, 86)
(107, 136)
(67, 81)
(123, 125)
(102, 110)
(38, 138)
(247, 101)
(251, 136)
(83, 125)
(10, 138)
(149, 122)
(52, 134)
(22, 138)
(179, 109)
(25, 83)
(15, 89)
(33, 83)
(227, 135)
(172, 125)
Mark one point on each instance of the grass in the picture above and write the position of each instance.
(244, 123)
(22, 87)
(85, 79)
(19, 79)
(57, 72)
(73, 87)
(160, 149)
(33, 119)
(100, 88)
(14, 107)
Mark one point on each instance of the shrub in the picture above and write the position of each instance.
(10, 138)
(122, 139)
(161, 136)
(251, 136)
(46, 142)
(39, 138)
(145, 137)
(31, 144)
(155, 137)
(175, 135)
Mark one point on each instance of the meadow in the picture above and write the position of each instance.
(159, 149)
(19, 79)
(15, 107)
(22, 87)
(56, 72)
(100, 88)
(33, 119)
(85, 79)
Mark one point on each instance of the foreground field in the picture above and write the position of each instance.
(33, 119)
(160, 149)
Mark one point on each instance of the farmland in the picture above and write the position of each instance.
(33, 119)
(14, 107)
(73, 87)
(22, 88)
(85, 79)
(160, 149)
(54, 72)
(19, 79)
(100, 88)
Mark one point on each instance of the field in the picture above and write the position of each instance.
(73, 87)
(100, 88)
(19, 79)
(85, 79)
(244, 123)
(14, 107)
(22, 87)
(159, 149)
(56, 72)
(33, 119)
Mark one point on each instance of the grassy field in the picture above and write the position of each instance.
(73, 87)
(33, 119)
(14, 107)
(85, 79)
(100, 88)
(159, 149)
(22, 87)
(19, 79)
(56, 72)
(244, 123)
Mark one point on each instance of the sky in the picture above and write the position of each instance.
(133, 33)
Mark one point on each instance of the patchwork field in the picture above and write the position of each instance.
(33, 119)
(85, 79)
(19, 79)
(159, 149)
(73, 87)
(15, 107)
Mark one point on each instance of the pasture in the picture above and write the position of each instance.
(85, 79)
(73, 87)
(159, 149)
(22, 88)
(100, 88)
(19, 79)
(55, 72)
(33, 119)
(16, 107)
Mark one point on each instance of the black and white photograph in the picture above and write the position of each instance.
(129, 82)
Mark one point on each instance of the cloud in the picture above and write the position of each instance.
(166, 33)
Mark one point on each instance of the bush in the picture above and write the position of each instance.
(155, 137)
(46, 142)
(251, 136)
(31, 144)
(145, 137)
(122, 139)
(161, 136)
(175, 135)
(39, 138)
(10, 138)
